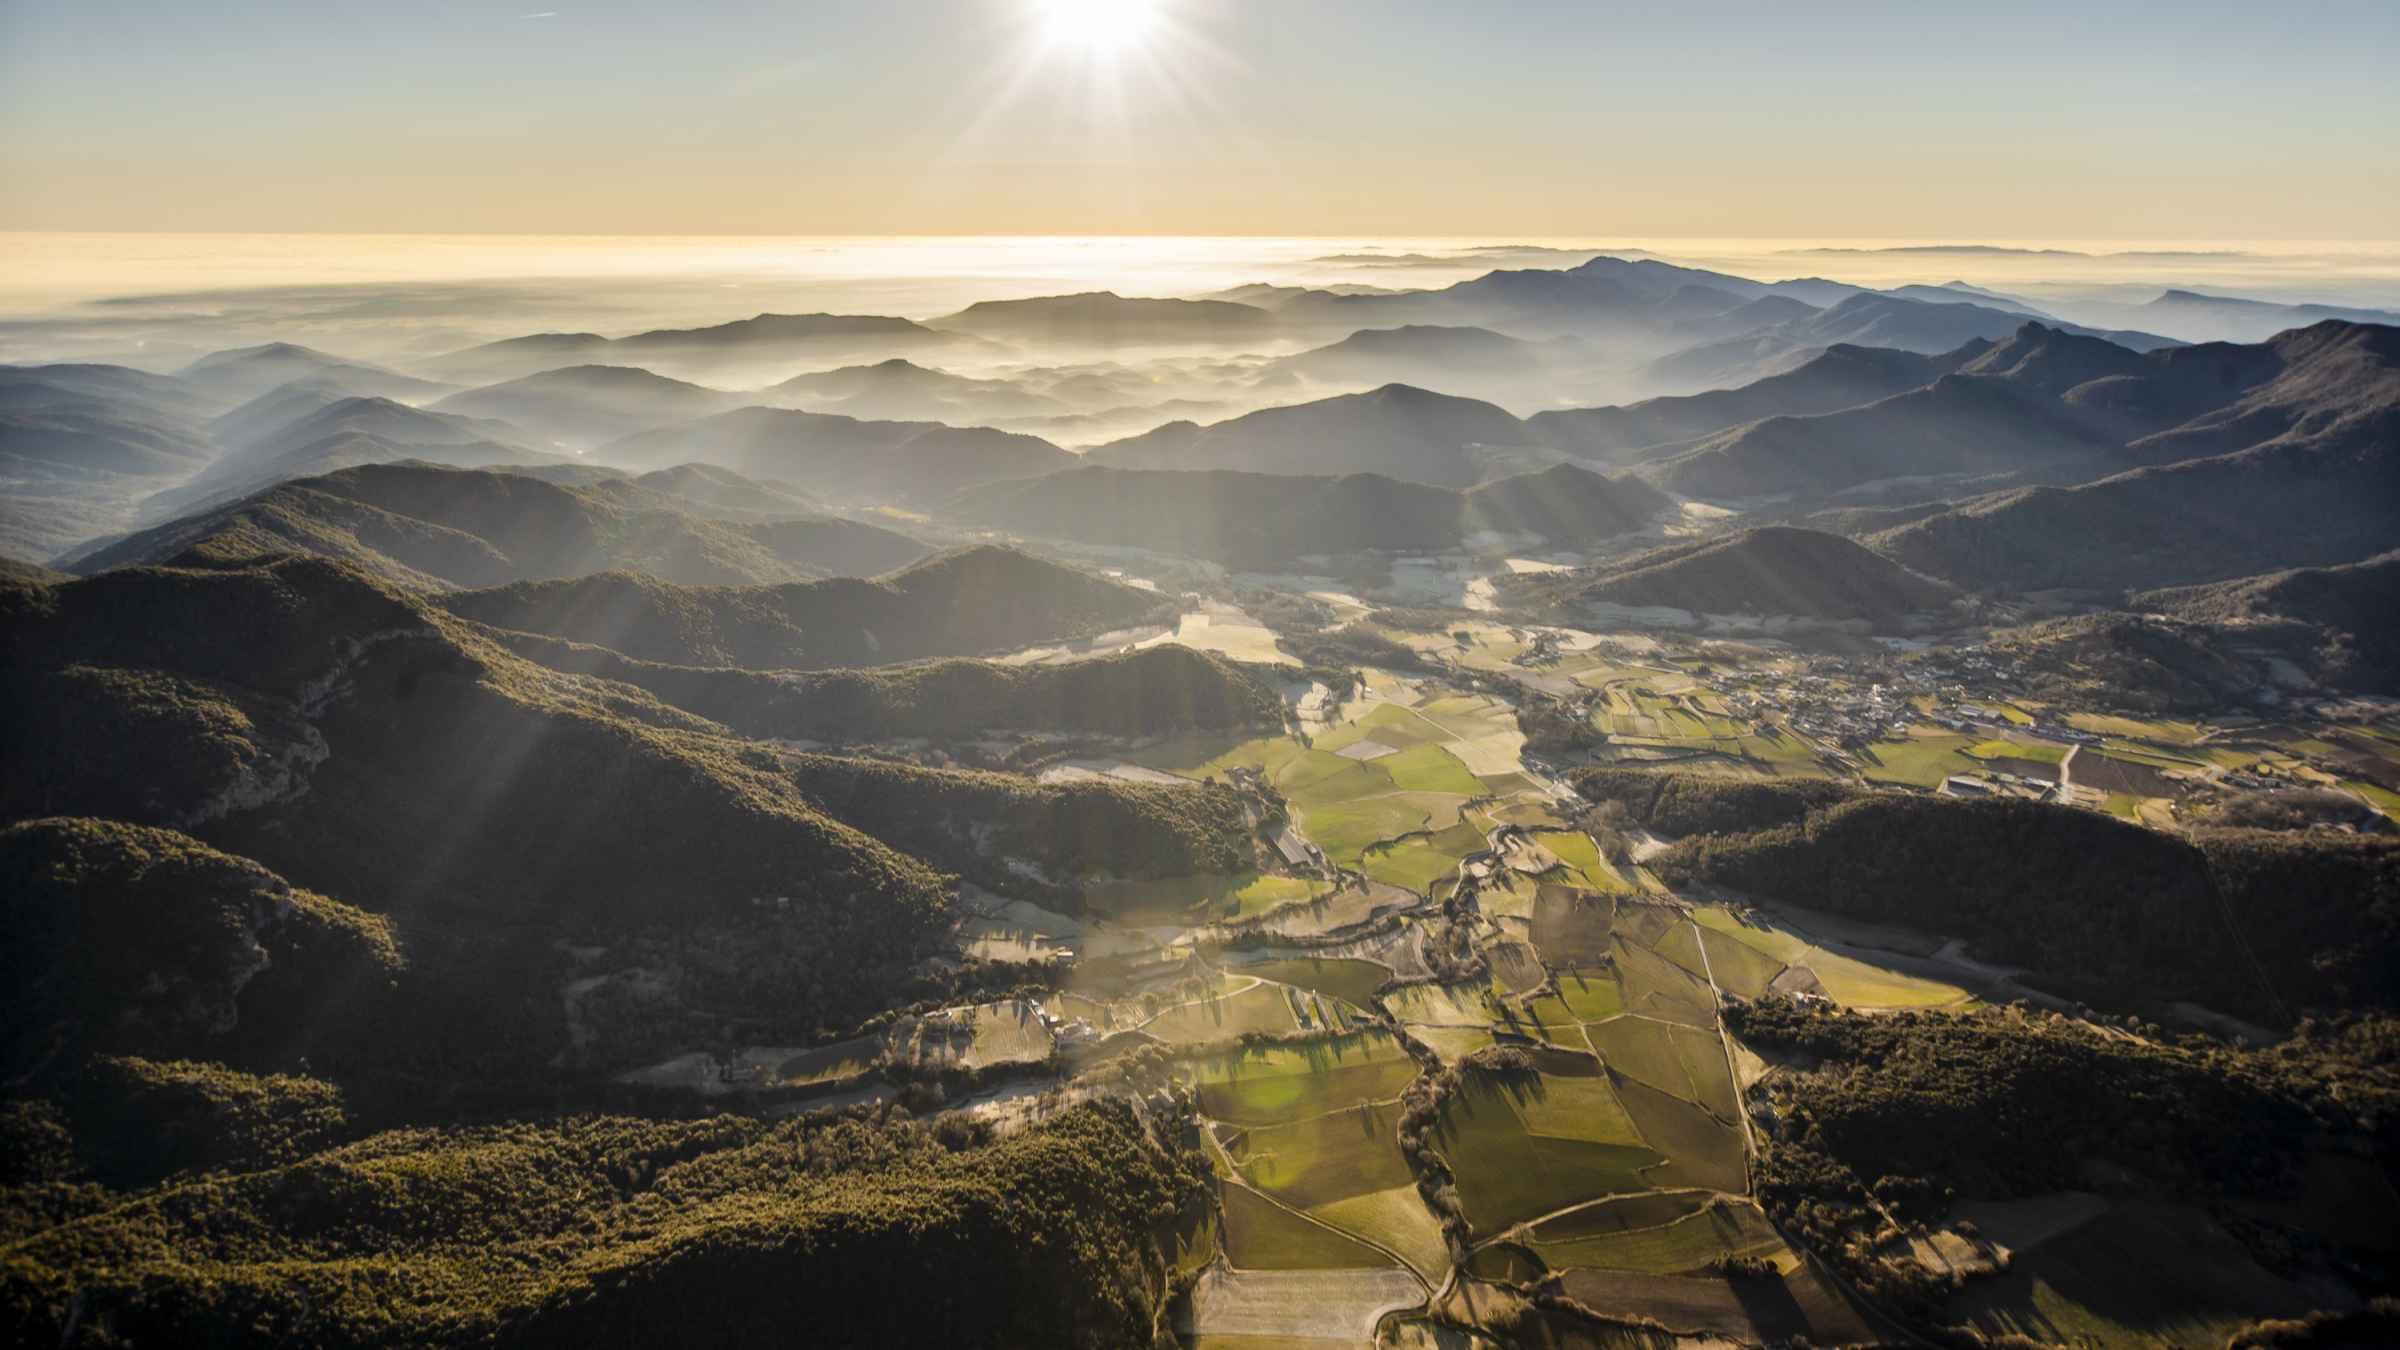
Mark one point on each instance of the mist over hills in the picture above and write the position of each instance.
(583, 406)
(899, 390)
(844, 457)
(429, 527)
(243, 374)
(1399, 431)
(1106, 319)
(957, 603)
(726, 350)
(1268, 520)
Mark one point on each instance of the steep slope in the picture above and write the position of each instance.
(843, 458)
(1843, 376)
(2313, 488)
(967, 601)
(381, 753)
(2336, 622)
(1776, 570)
(1266, 520)
(428, 527)
(1106, 319)
(1399, 431)
(583, 406)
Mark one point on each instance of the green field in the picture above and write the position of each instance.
(1429, 768)
(1924, 759)
(1582, 857)
(1341, 977)
(1700, 1150)
(1198, 897)
(1590, 995)
(2164, 732)
(1508, 1174)
(1684, 1244)
(1651, 1209)
(2039, 752)
(1644, 1051)
(1262, 1235)
(1281, 1083)
(1327, 1158)
(1441, 1004)
(1266, 1007)
(1738, 966)
(1396, 1219)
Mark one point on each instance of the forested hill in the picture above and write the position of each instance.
(1155, 691)
(973, 600)
(2258, 924)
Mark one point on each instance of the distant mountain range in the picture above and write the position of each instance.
(1767, 572)
(959, 603)
(899, 390)
(764, 342)
(2297, 469)
(245, 373)
(1106, 319)
(1842, 376)
(427, 527)
(1266, 521)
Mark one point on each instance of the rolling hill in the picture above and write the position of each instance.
(1154, 691)
(899, 390)
(81, 445)
(582, 406)
(1398, 431)
(1842, 376)
(338, 435)
(244, 373)
(1267, 520)
(429, 527)
(1770, 571)
(843, 458)
(959, 603)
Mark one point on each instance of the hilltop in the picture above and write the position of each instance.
(966, 601)
(429, 527)
(1398, 430)
(1775, 570)
(901, 390)
(1266, 520)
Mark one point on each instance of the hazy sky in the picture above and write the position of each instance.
(2044, 118)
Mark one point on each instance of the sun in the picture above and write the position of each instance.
(1101, 27)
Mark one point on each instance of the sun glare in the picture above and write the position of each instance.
(1101, 27)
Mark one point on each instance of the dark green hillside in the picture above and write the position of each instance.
(466, 793)
(972, 600)
(1677, 804)
(1267, 519)
(1917, 1113)
(2337, 621)
(2253, 923)
(1152, 692)
(127, 940)
(606, 1231)
(428, 527)
(1771, 570)
(977, 823)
